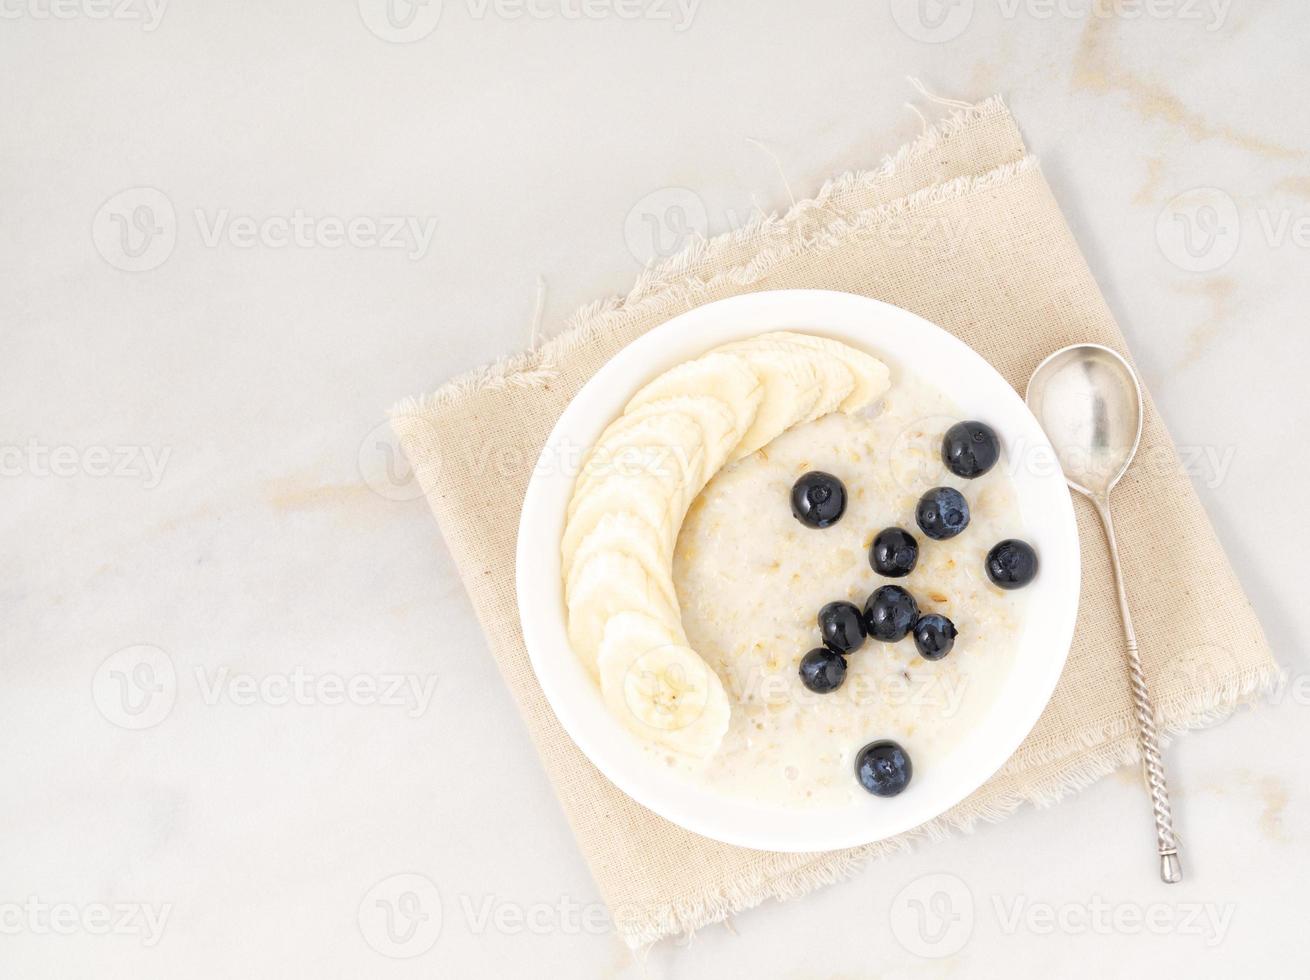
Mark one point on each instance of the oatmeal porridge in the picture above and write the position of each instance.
(791, 578)
(751, 580)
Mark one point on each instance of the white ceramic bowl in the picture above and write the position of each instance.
(902, 340)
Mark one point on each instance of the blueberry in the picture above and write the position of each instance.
(823, 670)
(1012, 564)
(894, 552)
(818, 499)
(970, 449)
(934, 635)
(942, 513)
(890, 613)
(842, 626)
(883, 768)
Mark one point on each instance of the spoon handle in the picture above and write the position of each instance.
(1171, 870)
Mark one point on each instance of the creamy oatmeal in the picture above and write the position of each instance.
(738, 494)
(750, 581)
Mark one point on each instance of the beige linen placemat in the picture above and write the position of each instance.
(961, 228)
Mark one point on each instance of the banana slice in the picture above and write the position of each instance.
(608, 584)
(718, 375)
(641, 438)
(791, 389)
(643, 495)
(872, 379)
(624, 532)
(836, 379)
(668, 447)
(660, 688)
(718, 424)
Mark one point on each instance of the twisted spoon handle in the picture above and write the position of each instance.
(1171, 870)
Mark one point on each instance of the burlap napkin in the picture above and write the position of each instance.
(961, 228)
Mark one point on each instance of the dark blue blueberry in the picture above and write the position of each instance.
(942, 513)
(934, 635)
(818, 499)
(883, 768)
(890, 613)
(970, 449)
(842, 626)
(894, 552)
(1012, 564)
(823, 670)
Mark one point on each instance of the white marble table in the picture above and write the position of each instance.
(208, 304)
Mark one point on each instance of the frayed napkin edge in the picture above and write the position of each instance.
(537, 367)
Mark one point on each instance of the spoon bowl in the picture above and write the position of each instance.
(1089, 402)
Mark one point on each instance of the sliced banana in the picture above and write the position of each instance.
(610, 583)
(644, 496)
(835, 378)
(660, 688)
(628, 534)
(630, 499)
(683, 439)
(718, 375)
(872, 379)
(719, 425)
(791, 389)
(669, 447)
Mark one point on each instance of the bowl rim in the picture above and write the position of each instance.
(614, 751)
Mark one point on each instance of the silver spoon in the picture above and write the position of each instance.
(1089, 402)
